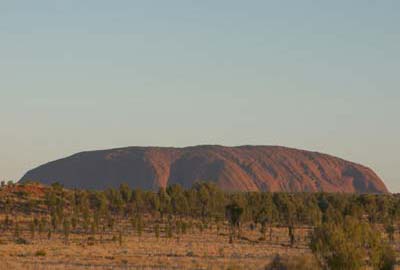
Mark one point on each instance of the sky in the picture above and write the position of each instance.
(86, 75)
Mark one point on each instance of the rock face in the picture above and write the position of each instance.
(243, 168)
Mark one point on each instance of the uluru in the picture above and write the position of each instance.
(242, 168)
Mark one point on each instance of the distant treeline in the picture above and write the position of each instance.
(208, 202)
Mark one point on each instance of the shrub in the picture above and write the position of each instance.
(190, 253)
(21, 241)
(293, 263)
(91, 240)
(349, 245)
(40, 253)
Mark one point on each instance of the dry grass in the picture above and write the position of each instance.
(206, 250)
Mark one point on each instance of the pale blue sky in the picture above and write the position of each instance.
(83, 75)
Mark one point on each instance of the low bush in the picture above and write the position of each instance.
(306, 262)
(352, 245)
(21, 241)
(40, 253)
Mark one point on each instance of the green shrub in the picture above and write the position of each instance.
(351, 245)
(40, 253)
(21, 241)
(306, 262)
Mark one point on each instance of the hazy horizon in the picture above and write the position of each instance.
(88, 75)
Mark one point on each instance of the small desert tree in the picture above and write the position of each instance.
(157, 230)
(233, 213)
(120, 237)
(262, 218)
(168, 230)
(6, 222)
(390, 230)
(139, 225)
(32, 229)
(66, 229)
(291, 235)
(17, 230)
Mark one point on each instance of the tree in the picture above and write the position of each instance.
(120, 237)
(168, 230)
(32, 228)
(165, 201)
(266, 211)
(291, 235)
(184, 227)
(7, 222)
(310, 212)
(17, 231)
(153, 202)
(233, 213)
(178, 199)
(42, 225)
(285, 207)
(209, 199)
(115, 200)
(110, 222)
(66, 229)
(157, 230)
(101, 204)
(74, 221)
(390, 230)
(125, 192)
(137, 200)
(57, 187)
(262, 218)
(50, 199)
(139, 225)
